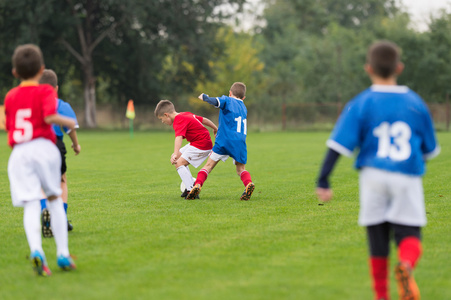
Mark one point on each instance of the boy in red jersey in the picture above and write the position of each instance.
(190, 127)
(34, 164)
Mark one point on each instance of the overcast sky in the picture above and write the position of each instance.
(420, 11)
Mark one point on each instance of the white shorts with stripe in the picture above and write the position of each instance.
(391, 197)
(193, 155)
(34, 165)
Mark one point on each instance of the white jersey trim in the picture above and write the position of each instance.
(432, 154)
(219, 102)
(339, 148)
(398, 89)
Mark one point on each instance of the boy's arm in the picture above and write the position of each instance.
(323, 190)
(60, 120)
(177, 145)
(212, 100)
(75, 145)
(210, 124)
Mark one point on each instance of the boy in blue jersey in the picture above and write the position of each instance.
(230, 139)
(64, 109)
(393, 130)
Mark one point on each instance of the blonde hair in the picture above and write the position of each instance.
(164, 106)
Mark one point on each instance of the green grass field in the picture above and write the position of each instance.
(135, 238)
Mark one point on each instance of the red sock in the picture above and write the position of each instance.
(245, 177)
(409, 250)
(379, 274)
(201, 177)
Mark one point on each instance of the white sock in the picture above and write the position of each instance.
(186, 177)
(58, 222)
(32, 225)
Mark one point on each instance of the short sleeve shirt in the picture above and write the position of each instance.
(26, 106)
(190, 127)
(64, 109)
(392, 128)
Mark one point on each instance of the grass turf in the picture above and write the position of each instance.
(135, 238)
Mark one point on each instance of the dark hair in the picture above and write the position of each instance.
(383, 57)
(238, 89)
(27, 60)
(49, 77)
(164, 106)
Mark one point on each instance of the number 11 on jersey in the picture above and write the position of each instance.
(238, 125)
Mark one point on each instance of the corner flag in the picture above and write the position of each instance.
(130, 114)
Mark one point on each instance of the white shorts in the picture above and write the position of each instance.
(193, 155)
(391, 197)
(34, 165)
(216, 157)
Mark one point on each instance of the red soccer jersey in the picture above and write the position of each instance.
(191, 128)
(26, 106)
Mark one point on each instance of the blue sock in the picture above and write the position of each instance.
(65, 208)
(43, 204)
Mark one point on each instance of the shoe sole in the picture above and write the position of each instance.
(194, 193)
(407, 287)
(46, 229)
(248, 192)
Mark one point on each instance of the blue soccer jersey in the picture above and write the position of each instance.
(391, 126)
(232, 129)
(64, 109)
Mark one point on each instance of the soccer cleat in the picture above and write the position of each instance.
(407, 287)
(194, 193)
(69, 226)
(248, 191)
(45, 221)
(184, 194)
(66, 263)
(39, 264)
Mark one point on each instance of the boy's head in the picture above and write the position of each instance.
(384, 59)
(27, 61)
(49, 77)
(238, 90)
(165, 111)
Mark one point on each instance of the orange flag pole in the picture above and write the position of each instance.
(130, 114)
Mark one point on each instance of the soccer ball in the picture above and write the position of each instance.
(183, 187)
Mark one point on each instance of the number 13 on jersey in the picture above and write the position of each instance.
(238, 125)
(393, 140)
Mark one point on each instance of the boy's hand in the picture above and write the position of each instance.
(324, 195)
(77, 149)
(201, 97)
(173, 158)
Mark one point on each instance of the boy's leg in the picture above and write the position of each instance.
(184, 173)
(59, 225)
(32, 224)
(379, 244)
(246, 179)
(201, 177)
(408, 240)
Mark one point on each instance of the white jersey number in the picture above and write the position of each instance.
(24, 128)
(393, 140)
(238, 125)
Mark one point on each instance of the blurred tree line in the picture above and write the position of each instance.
(307, 51)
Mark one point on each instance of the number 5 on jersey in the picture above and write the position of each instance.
(24, 128)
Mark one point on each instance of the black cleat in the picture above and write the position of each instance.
(184, 194)
(45, 221)
(69, 226)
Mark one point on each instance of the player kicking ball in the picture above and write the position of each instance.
(190, 127)
(230, 140)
